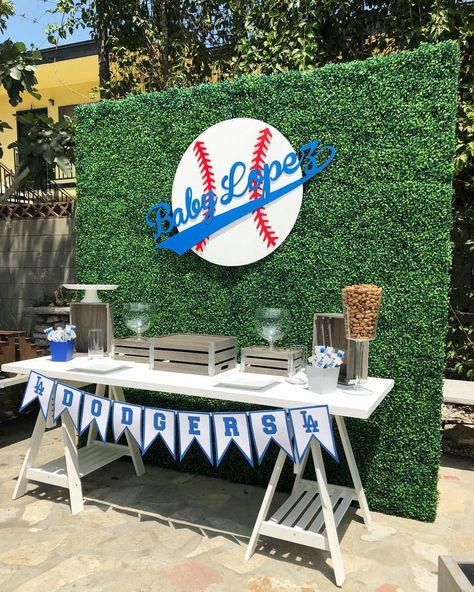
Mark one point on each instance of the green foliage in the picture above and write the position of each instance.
(18, 70)
(6, 10)
(45, 141)
(381, 213)
(149, 44)
(17, 67)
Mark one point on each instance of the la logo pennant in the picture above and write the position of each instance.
(232, 427)
(159, 422)
(195, 426)
(41, 388)
(268, 426)
(96, 409)
(313, 422)
(67, 399)
(126, 416)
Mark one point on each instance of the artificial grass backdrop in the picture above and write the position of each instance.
(380, 213)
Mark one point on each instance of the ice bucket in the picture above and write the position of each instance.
(322, 381)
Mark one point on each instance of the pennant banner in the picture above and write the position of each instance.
(126, 416)
(313, 422)
(96, 409)
(195, 427)
(268, 426)
(292, 430)
(232, 427)
(67, 399)
(159, 422)
(38, 387)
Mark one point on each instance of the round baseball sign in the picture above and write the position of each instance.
(234, 162)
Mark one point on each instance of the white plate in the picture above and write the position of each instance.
(99, 366)
(247, 381)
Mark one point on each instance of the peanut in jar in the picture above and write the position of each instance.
(361, 308)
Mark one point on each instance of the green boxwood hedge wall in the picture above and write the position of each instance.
(381, 213)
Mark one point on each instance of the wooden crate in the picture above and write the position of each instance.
(193, 353)
(263, 360)
(132, 349)
(88, 316)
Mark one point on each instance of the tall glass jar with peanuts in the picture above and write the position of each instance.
(361, 305)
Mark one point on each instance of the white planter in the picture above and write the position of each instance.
(322, 380)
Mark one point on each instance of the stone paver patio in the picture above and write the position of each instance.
(175, 532)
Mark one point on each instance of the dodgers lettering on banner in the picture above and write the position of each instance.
(234, 169)
(195, 427)
(159, 422)
(241, 428)
(232, 427)
(268, 426)
(96, 409)
(41, 388)
(67, 399)
(126, 416)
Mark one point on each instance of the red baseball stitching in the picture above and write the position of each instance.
(208, 181)
(260, 216)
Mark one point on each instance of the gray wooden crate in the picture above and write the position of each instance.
(88, 316)
(132, 349)
(194, 353)
(263, 360)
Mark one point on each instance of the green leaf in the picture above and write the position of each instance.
(15, 73)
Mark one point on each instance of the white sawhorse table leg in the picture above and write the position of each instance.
(30, 456)
(314, 509)
(267, 500)
(68, 470)
(72, 464)
(358, 488)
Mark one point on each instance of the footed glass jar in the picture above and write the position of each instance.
(361, 304)
(138, 317)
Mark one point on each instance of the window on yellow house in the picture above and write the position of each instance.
(66, 110)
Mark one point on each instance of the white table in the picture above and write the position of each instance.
(311, 513)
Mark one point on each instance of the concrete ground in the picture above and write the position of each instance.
(171, 532)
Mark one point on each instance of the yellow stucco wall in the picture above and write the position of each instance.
(62, 83)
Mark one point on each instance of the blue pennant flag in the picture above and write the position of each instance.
(268, 426)
(67, 399)
(195, 426)
(159, 422)
(38, 387)
(313, 422)
(96, 409)
(126, 416)
(232, 427)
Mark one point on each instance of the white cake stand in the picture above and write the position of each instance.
(90, 291)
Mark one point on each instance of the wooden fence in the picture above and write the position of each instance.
(36, 256)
